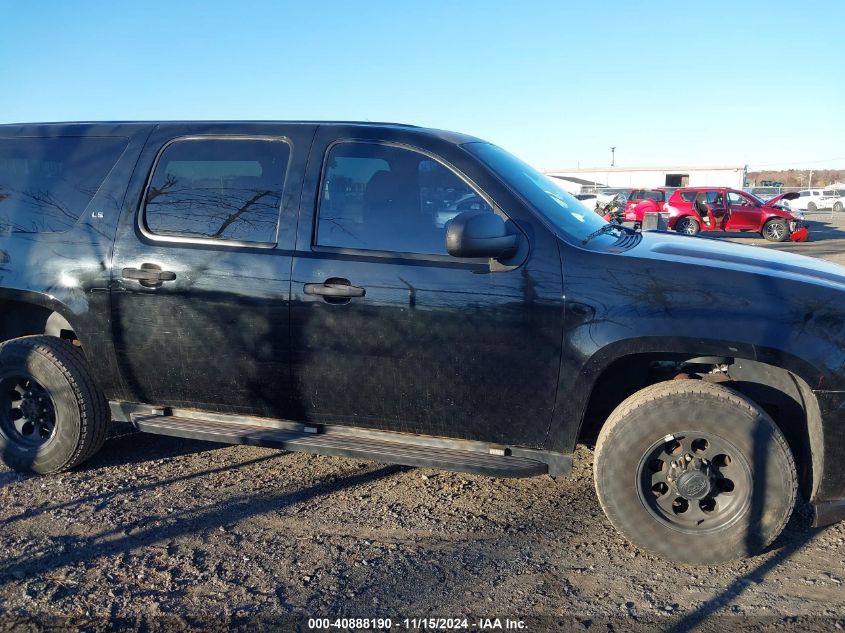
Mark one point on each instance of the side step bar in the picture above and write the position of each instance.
(380, 446)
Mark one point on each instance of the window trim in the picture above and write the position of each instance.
(141, 215)
(398, 255)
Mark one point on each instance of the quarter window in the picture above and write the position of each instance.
(387, 198)
(46, 183)
(218, 189)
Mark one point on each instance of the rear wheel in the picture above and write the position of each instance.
(688, 226)
(811, 206)
(694, 472)
(776, 230)
(52, 416)
(837, 207)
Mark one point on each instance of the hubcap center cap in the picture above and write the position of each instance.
(693, 484)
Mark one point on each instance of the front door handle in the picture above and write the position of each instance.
(335, 289)
(150, 275)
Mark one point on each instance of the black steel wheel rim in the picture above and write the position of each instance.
(695, 482)
(27, 411)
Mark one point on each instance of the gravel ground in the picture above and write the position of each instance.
(164, 534)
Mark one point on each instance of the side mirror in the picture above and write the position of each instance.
(480, 234)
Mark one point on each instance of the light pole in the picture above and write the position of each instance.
(612, 156)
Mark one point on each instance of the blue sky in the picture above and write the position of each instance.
(557, 83)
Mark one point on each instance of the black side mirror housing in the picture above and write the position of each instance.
(480, 234)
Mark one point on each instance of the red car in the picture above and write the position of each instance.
(695, 209)
(634, 214)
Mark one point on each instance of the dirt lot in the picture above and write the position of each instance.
(163, 534)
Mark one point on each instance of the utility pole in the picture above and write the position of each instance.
(612, 156)
(810, 182)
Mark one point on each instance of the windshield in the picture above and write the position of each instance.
(558, 206)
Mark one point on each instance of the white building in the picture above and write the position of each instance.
(577, 180)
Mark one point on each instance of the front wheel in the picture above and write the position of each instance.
(694, 472)
(811, 207)
(52, 415)
(688, 226)
(837, 207)
(776, 230)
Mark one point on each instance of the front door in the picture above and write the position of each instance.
(389, 331)
(744, 212)
(201, 274)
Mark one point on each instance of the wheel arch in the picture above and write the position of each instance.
(24, 312)
(780, 383)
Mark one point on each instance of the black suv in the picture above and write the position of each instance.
(411, 296)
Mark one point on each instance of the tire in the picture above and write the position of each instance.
(775, 230)
(837, 207)
(52, 415)
(750, 496)
(688, 226)
(811, 207)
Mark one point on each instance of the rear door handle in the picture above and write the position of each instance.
(335, 288)
(149, 275)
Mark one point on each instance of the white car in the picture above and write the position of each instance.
(814, 199)
(839, 201)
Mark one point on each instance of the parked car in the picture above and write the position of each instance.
(839, 200)
(813, 200)
(694, 209)
(290, 285)
(637, 196)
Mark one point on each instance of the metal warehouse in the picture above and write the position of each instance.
(585, 179)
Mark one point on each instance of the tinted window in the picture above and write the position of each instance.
(221, 189)
(657, 196)
(687, 196)
(385, 198)
(46, 183)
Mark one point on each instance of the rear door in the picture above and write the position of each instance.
(388, 330)
(201, 274)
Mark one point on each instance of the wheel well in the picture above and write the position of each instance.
(783, 395)
(23, 319)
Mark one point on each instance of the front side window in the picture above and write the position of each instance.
(46, 183)
(739, 200)
(387, 198)
(218, 189)
(558, 206)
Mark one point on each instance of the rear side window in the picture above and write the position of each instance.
(386, 198)
(46, 183)
(688, 196)
(218, 189)
(657, 196)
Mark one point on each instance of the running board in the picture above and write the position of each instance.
(381, 446)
